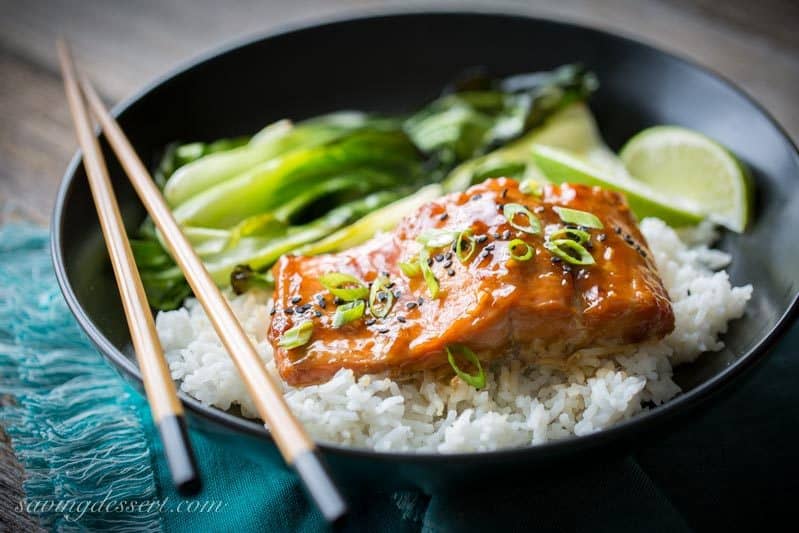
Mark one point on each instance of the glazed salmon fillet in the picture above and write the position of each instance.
(543, 309)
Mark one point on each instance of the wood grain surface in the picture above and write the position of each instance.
(124, 45)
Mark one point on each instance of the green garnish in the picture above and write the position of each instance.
(344, 286)
(427, 272)
(570, 251)
(381, 299)
(348, 312)
(410, 268)
(465, 237)
(531, 186)
(437, 238)
(511, 211)
(574, 234)
(296, 336)
(529, 251)
(477, 380)
(581, 218)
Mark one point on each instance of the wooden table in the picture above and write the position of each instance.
(124, 45)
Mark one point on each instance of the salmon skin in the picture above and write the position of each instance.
(543, 309)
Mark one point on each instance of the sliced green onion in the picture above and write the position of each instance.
(531, 186)
(344, 286)
(511, 211)
(477, 380)
(348, 312)
(437, 238)
(581, 218)
(296, 336)
(574, 234)
(528, 253)
(465, 237)
(381, 299)
(570, 251)
(427, 272)
(410, 269)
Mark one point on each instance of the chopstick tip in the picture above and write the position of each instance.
(62, 45)
(320, 487)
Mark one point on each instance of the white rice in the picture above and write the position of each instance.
(519, 406)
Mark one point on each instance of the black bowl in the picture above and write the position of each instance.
(396, 63)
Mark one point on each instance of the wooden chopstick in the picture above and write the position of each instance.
(165, 406)
(293, 442)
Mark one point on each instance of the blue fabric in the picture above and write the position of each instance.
(83, 434)
(76, 425)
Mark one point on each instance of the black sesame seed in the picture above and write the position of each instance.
(444, 216)
(601, 237)
(629, 240)
(477, 196)
(642, 252)
(490, 247)
(617, 229)
(323, 304)
(397, 294)
(288, 311)
(429, 261)
(481, 239)
(506, 235)
(504, 192)
(420, 300)
(500, 207)
(296, 299)
(401, 318)
(484, 253)
(317, 314)
(382, 296)
(370, 322)
(386, 274)
(448, 256)
(451, 272)
(320, 299)
(439, 258)
(447, 264)
(303, 308)
(556, 259)
(272, 311)
(689, 292)
(390, 285)
(384, 330)
(496, 235)
(411, 305)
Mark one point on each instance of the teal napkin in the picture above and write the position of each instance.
(87, 442)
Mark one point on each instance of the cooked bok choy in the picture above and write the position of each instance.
(331, 182)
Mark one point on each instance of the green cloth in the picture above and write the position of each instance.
(81, 432)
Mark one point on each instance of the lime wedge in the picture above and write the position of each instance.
(681, 163)
(560, 166)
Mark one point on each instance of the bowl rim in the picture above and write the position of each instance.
(678, 405)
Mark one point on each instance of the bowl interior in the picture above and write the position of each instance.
(397, 63)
